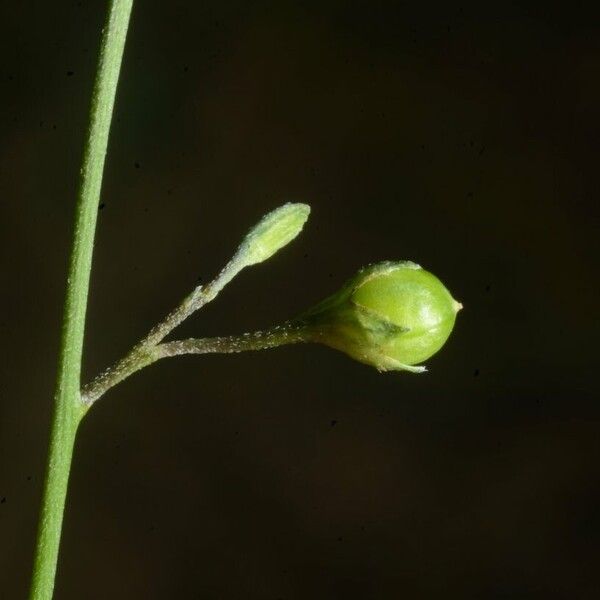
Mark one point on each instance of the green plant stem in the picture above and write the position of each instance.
(144, 354)
(68, 408)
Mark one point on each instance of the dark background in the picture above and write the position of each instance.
(464, 139)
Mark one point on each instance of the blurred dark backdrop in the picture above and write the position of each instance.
(464, 139)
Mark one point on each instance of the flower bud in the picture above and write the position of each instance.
(391, 315)
(275, 230)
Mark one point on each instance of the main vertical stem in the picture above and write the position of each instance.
(68, 408)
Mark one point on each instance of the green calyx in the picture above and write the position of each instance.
(391, 315)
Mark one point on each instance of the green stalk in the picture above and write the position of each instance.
(68, 407)
(146, 353)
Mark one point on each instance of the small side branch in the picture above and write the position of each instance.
(145, 354)
(258, 340)
(273, 232)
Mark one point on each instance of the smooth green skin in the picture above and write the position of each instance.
(392, 315)
(414, 300)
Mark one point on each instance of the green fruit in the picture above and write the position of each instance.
(392, 315)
